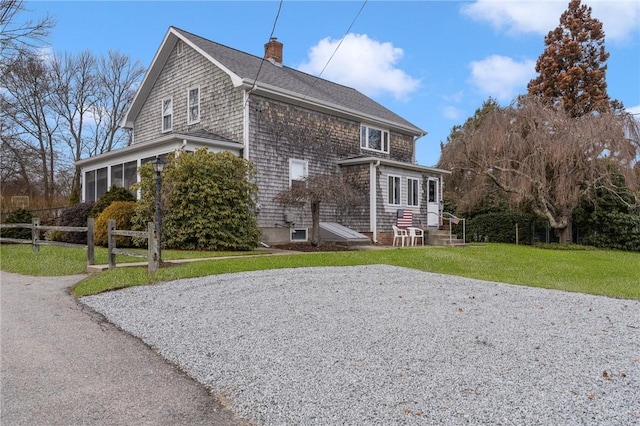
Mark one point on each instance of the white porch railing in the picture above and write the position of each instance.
(452, 220)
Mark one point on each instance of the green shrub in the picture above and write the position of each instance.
(615, 230)
(54, 235)
(120, 211)
(76, 215)
(18, 216)
(500, 227)
(116, 193)
(207, 202)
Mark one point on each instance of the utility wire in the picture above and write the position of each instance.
(337, 47)
(262, 62)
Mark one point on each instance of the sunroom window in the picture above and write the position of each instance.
(374, 139)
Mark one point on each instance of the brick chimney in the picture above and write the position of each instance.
(273, 51)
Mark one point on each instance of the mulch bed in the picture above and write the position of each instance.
(308, 247)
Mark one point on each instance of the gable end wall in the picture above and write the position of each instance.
(220, 102)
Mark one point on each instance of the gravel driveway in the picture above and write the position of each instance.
(386, 345)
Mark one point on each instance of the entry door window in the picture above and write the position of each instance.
(433, 191)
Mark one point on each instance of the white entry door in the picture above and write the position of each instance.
(433, 202)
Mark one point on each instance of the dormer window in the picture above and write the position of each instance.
(193, 105)
(167, 114)
(374, 139)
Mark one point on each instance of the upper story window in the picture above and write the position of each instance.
(167, 114)
(413, 192)
(298, 171)
(193, 105)
(394, 190)
(180, 47)
(375, 139)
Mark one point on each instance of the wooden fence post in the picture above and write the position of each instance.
(91, 256)
(35, 222)
(111, 243)
(153, 258)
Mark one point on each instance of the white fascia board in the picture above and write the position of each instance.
(235, 79)
(158, 146)
(313, 103)
(157, 64)
(393, 163)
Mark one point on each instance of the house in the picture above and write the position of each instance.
(198, 93)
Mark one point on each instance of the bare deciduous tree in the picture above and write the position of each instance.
(118, 78)
(26, 103)
(316, 190)
(74, 96)
(546, 160)
(17, 37)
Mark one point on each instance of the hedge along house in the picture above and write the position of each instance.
(198, 93)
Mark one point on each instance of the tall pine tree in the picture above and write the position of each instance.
(572, 68)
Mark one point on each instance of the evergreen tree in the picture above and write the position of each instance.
(572, 68)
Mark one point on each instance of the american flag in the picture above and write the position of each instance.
(405, 219)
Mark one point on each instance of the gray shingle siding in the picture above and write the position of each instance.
(280, 131)
(220, 103)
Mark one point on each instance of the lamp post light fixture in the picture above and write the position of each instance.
(158, 167)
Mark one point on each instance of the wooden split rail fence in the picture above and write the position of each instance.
(36, 242)
(152, 242)
(150, 235)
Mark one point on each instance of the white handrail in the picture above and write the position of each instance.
(451, 218)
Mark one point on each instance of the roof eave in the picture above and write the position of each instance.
(283, 94)
(163, 141)
(393, 163)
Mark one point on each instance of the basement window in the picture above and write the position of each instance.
(299, 234)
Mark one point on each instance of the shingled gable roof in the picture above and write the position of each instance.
(277, 81)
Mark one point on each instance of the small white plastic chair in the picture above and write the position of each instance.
(399, 234)
(415, 234)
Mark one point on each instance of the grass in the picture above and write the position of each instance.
(56, 261)
(601, 272)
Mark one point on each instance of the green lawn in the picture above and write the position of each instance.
(56, 261)
(603, 272)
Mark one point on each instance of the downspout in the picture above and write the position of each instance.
(373, 190)
(245, 124)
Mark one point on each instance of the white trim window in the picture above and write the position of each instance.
(193, 105)
(374, 139)
(298, 170)
(393, 188)
(413, 192)
(299, 234)
(167, 114)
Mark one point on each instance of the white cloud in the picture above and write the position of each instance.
(635, 110)
(451, 112)
(501, 77)
(360, 62)
(619, 17)
(455, 97)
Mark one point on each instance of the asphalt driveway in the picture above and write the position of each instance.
(64, 365)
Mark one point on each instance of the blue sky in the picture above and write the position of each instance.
(432, 62)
